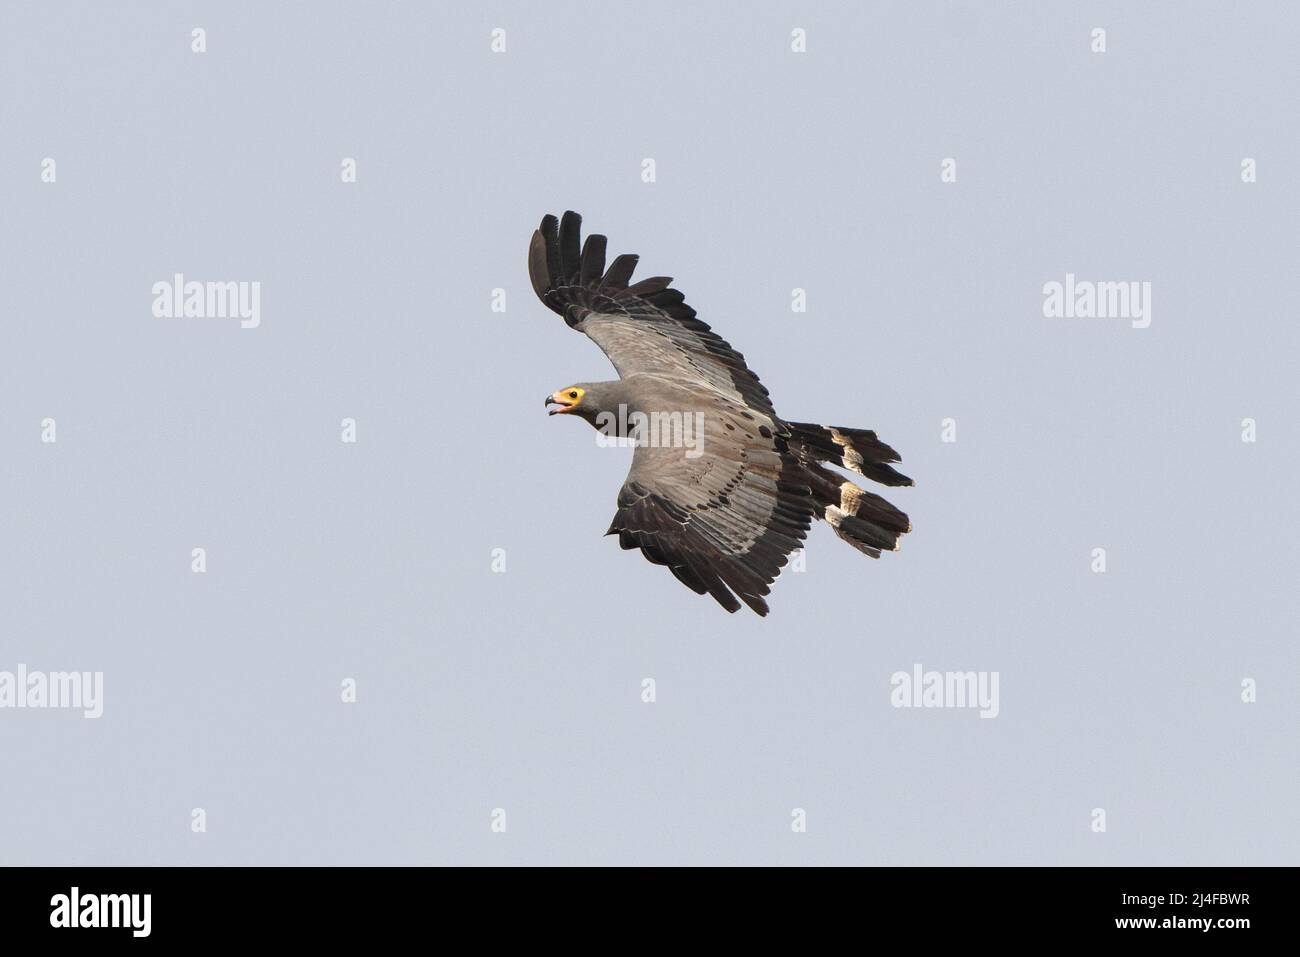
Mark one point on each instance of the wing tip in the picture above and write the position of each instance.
(559, 257)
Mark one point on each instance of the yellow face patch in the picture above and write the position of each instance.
(567, 399)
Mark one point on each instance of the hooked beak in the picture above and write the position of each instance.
(564, 404)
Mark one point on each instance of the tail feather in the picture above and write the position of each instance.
(855, 449)
(863, 519)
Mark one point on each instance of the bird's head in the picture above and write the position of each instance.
(568, 399)
(593, 402)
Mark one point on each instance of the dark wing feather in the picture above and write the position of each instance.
(593, 261)
(724, 522)
(644, 327)
(570, 242)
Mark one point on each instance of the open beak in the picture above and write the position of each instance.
(564, 404)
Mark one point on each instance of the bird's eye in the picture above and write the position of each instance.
(573, 395)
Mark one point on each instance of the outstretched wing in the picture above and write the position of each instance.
(724, 514)
(723, 521)
(645, 327)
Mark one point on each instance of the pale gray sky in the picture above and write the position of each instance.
(522, 690)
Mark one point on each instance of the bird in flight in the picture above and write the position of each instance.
(725, 509)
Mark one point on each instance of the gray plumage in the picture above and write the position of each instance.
(724, 512)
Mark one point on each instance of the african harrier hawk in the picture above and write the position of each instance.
(724, 509)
